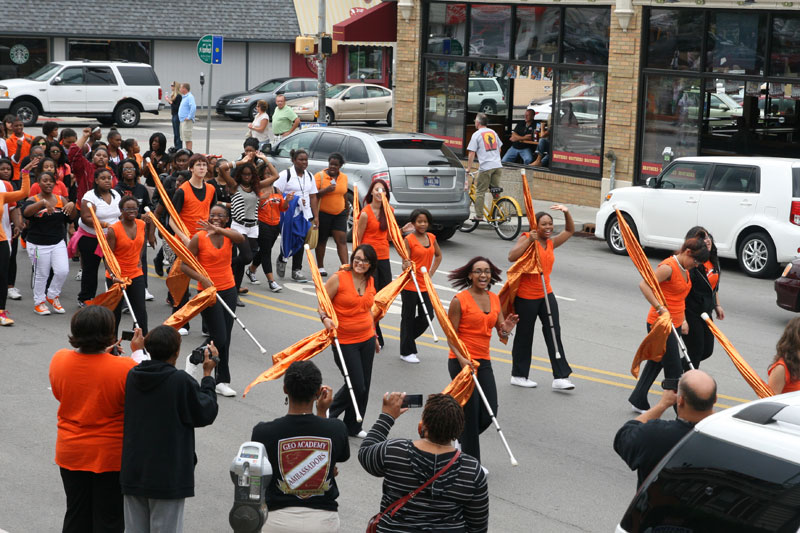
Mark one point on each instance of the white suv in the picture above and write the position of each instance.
(111, 91)
(751, 205)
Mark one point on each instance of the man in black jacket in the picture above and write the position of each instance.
(163, 405)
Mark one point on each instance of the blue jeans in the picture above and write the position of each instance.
(544, 150)
(176, 131)
(524, 153)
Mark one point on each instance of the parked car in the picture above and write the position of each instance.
(787, 287)
(347, 102)
(738, 470)
(585, 109)
(485, 95)
(421, 170)
(750, 204)
(111, 91)
(242, 105)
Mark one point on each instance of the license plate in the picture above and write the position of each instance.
(430, 181)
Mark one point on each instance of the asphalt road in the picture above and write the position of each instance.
(569, 478)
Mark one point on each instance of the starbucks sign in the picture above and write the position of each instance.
(19, 54)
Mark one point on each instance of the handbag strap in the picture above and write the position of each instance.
(396, 505)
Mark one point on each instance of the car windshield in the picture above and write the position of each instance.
(417, 153)
(268, 87)
(44, 73)
(335, 91)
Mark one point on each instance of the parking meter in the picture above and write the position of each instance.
(202, 79)
(250, 473)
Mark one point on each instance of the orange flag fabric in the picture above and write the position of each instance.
(111, 298)
(654, 344)
(388, 294)
(356, 214)
(322, 294)
(750, 376)
(394, 230)
(462, 386)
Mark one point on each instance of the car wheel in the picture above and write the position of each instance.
(27, 111)
(329, 116)
(252, 112)
(445, 233)
(106, 121)
(127, 115)
(389, 118)
(614, 235)
(488, 108)
(757, 256)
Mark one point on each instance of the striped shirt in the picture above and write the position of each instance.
(458, 501)
(244, 206)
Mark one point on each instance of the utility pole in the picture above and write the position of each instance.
(321, 85)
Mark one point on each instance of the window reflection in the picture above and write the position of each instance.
(577, 120)
(490, 33)
(673, 39)
(445, 95)
(447, 26)
(786, 46)
(537, 33)
(586, 34)
(737, 43)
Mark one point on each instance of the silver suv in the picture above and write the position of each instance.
(421, 171)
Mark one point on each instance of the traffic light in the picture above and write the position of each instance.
(327, 45)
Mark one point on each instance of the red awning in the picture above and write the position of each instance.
(377, 24)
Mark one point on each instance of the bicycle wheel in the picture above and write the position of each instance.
(469, 225)
(507, 219)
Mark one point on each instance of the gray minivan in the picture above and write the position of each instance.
(421, 170)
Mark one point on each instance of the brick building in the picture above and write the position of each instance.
(643, 81)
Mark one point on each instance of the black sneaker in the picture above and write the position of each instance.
(280, 268)
(252, 277)
(239, 302)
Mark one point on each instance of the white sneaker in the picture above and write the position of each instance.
(225, 390)
(410, 358)
(183, 332)
(14, 293)
(636, 409)
(523, 382)
(274, 287)
(79, 275)
(360, 435)
(563, 384)
(323, 272)
(148, 297)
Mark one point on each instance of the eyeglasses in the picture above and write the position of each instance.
(486, 272)
(358, 260)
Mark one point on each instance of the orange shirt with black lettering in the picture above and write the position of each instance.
(270, 206)
(373, 235)
(216, 261)
(90, 389)
(530, 285)
(128, 251)
(353, 310)
(194, 210)
(332, 202)
(675, 290)
(475, 327)
(422, 256)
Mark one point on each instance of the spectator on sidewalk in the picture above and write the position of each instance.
(284, 119)
(522, 134)
(186, 112)
(485, 144)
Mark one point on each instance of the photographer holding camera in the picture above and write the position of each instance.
(163, 406)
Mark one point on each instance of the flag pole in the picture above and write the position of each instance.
(514, 461)
(236, 318)
(682, 346)
(422, 301)
(549, 313)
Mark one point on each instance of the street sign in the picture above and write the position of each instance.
(209, 49)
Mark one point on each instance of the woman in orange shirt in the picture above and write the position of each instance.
(373, 230)
(474, 312)
(530, 304)
(352, 291)
(784, 373)
(89, 384)
(331, 191)
(213, 247)
(270, 204)
(127, 238)
(5, 246)
(673, 276)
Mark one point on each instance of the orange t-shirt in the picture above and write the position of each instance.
(332, 202)
(530, 285)
(13, 197)
(270, 206)
(353, 310)
(59, 190)
(25, 150)
(422, 257)
(90, 389)
(193, 209)
(374, 235)
(128, 251)
(675, 290)
(712, 274)
(475, 327)
(216, 261)
(790, 385)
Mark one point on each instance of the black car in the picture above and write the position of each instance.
(243, 105)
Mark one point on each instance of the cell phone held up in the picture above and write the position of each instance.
(127, 335)
(412, 401)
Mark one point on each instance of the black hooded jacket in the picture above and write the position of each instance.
(163, 405)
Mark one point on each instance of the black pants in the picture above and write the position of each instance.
(220, 323)
(267, 235)
(358, 358)
(94, 502)
(144, 265)
(243, 257)
(5, 267)
(476, 417)
(91, 262)
(413, 322)
(699, 341)
(382, 277)
(529, 311)
(135, 292)
(12, 264)
(297, 259)
(671, 362)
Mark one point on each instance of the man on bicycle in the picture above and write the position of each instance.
(486, 143)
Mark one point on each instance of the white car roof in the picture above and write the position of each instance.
(74, 62)
(777, 436)
(742, 160)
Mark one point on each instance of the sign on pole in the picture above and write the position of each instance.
(209, 50)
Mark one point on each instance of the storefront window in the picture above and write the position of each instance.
(444, 101)
(490, 33)
(21, 57)
(577, 121)
(447, 29)
(786, 46)
(673, 39)
(364, 63)
(737, 42)
(108, 50)
(537, 33)
(586, 34)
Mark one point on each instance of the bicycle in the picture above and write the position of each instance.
(504, 213)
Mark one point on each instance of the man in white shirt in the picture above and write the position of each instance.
(486, 144)
(303, 187)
